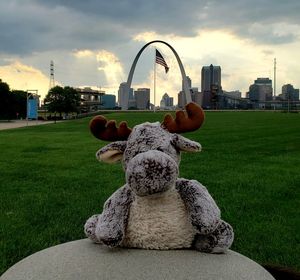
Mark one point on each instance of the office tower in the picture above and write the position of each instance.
(189, 82)
(210, 75)
(131, 94)
(121, 94)
(196, 96)
(289, 93)
(261, 90)
(108, 101)
(181, 95)
(210, 84)
(181, 99)
(142, 98)
(131, 100)
(166, 101)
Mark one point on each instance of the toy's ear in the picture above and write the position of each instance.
(183, 144)
(112, 152)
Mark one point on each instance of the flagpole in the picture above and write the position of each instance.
(154, 86)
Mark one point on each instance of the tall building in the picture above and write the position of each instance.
(121, 95)
(131, 94)
(189, 82)
(132, 104)
(181, 95)
(131, 100)
(181, 99)
(142, 98)
(196, 96)
(210, 84)
(210, 75)
(121, 92)
(108, 101)
(166, 101)
(261, 90)
(289, 93)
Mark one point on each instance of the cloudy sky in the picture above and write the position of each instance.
(94, 42)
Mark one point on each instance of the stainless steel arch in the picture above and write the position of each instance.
(129, 79)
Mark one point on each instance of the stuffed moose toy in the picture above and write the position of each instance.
(155, 209)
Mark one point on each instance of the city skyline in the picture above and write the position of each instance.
(94, 44)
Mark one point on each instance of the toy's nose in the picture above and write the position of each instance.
(151, 172)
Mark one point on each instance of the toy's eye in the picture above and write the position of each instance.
(159, 149)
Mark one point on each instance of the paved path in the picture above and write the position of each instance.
(20, 123)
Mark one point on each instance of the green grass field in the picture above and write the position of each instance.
(51, 182)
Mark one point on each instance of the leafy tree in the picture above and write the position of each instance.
(5, 101)
(54, 100)
(62, 100)
(19, 103)
(71, 100)
(12, 102)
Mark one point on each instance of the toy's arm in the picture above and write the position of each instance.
(203, 211)
(112, 222)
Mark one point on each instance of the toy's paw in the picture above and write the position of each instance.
(111, 238)
(90, 228)
(111, 242)
(205, 243)
(218, 241)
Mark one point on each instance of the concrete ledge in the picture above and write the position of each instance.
(83, 259)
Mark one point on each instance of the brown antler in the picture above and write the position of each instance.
(107, 130)
(183, 123)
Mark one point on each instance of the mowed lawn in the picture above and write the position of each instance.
(51, 182)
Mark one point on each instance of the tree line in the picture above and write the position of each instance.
(13, 103)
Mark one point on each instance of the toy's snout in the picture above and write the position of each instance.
(151, 172)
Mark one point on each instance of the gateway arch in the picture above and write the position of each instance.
(127, 85)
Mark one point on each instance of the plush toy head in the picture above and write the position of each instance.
(150, 152)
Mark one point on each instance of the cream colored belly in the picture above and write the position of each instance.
(159, 221)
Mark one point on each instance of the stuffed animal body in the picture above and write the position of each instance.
(155, 209)
(159, 221)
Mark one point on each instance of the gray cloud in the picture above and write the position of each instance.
(255, 20)
(28, 27)
(40, 30)
(187, 17)
(40, 25)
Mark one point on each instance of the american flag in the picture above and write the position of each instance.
(160, 60)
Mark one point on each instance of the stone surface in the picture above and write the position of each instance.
(83, 259)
